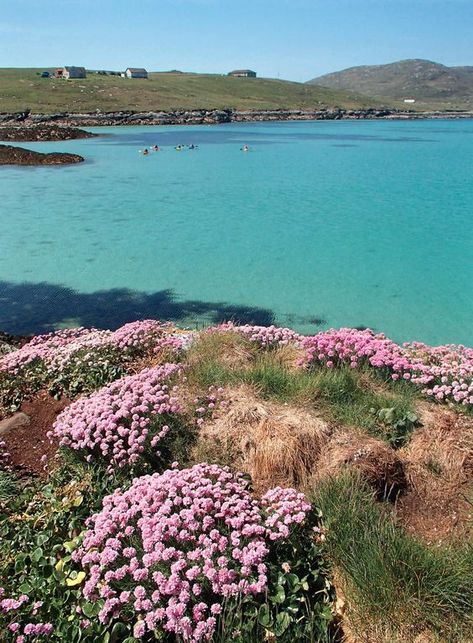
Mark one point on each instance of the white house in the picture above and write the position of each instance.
(243, 73)
(135, 72)
(409, 100)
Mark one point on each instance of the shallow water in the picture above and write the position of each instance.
(321, 224)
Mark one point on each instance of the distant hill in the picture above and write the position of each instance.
(424, 80)
(22, 89)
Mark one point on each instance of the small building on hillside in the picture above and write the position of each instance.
(409, 100)
(136, 72)
(70, 72)
(243, 73)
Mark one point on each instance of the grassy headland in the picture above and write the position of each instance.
(356, 525)
(22, 89)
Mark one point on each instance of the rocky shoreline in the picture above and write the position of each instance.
(11, 155)
(212, 116)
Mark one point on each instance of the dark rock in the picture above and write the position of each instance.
(13, 422)
(42, 133)
(10, 155)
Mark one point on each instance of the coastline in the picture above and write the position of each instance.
(215, 116)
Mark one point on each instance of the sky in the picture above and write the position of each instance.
(289, 39)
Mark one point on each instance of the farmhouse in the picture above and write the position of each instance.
(243, 73)
(70, 72)
(135, 72)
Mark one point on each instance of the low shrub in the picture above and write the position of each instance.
(125, 423)
(183, 551)
(80, 360)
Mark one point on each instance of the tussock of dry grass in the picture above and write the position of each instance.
(377, 463)
(439, 468)
(277, 444)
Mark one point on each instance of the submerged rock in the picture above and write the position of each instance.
(10, 155)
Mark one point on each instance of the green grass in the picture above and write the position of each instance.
(8, 486)
(22, 89)
(396, 586)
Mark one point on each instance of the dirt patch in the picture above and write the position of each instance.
(439, 467)
(28, 444)
(277, 444)
(378, 463)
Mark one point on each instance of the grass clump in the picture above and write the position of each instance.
(397, 588)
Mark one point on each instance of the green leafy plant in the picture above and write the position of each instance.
(397, 424)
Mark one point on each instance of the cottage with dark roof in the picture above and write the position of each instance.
(73, 72)
(243, 73)
(136, 72)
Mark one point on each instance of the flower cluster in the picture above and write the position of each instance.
(447, 371)
(264, 336)
(139, 336)
(81, 360)
(444, 372)
(4, 456)
(173, 547)
(55, 350)
(8, 605)
(205, 407)
(124, 421)
(285, 508)
(351, 346)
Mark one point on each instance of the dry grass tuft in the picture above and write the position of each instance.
(439, 467)
(277, 444)
(378, 463)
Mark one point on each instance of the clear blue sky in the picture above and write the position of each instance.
(292, 39)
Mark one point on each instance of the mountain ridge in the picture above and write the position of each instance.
(412, 78)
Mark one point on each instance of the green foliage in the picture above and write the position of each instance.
(398, 424)
(8, 486)
(84, 374)
(39, 530)
(16, 388)
(391, 579)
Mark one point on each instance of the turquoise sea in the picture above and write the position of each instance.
(321, 224)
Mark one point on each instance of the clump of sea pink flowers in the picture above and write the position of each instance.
(55, 351)
(123, 422)
(12, 605)
(443, 372)
(264, 336)
(173, 547)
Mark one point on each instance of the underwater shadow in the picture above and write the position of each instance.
(31, 308)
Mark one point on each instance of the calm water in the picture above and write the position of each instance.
(321, 224)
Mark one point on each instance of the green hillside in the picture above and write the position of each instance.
(22, 89)
(431, 84)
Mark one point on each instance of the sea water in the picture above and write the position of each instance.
(320, 224)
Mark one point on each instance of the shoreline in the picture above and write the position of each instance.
(215, 116)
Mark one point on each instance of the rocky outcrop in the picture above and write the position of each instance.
(10, 155)
(213, 116)
(25, 133)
